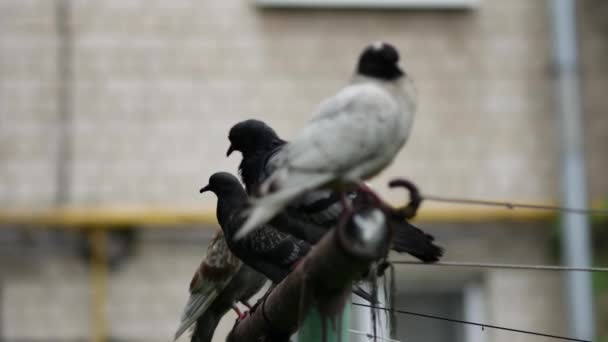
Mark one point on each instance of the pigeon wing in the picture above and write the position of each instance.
(347, 129)
(213, 275)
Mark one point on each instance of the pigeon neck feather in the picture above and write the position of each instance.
(253, 163)
(403, 89)
(230, 202)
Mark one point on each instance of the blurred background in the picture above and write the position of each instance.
(113, 113)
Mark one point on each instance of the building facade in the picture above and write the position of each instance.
(127, 104)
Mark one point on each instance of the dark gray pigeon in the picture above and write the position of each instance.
(259, 145)
(353, 136)
(218, 284)
(267, 250)
(311, 215)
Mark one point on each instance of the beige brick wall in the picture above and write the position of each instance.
(594, 45)
(44, 297)
(158, 84)
(28, 46)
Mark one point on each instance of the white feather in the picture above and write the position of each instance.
(196, 306)
(265, 208)
(199, 301)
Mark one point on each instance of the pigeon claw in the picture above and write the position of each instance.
(239, 313)
(249, 306)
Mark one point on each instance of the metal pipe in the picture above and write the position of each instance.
(568, 107)
(65, 77)
(99, 284)
(321, 283)
(361, 317)
(474, 310)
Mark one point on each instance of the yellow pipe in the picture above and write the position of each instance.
(108, 218)
(121, 216)
(462, 215)
(98, 285)
(86, 218)
(114, 217)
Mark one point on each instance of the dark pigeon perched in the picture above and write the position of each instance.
(267, 250)
(218, 284)
(311, 215)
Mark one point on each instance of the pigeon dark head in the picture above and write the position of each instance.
(250, 136)
(256, 141)
(231, 197)
(223, 183)
(380, 60)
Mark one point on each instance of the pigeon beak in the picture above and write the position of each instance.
(206, 188)
(399, 70)
(230, 150)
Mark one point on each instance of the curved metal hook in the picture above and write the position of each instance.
(409, 211)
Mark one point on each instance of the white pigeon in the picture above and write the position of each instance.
(352, 136)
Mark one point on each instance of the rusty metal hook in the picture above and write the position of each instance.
(410, 210)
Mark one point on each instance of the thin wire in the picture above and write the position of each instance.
(504, 266)
(370, 336)
(512, 205)
(483, 326)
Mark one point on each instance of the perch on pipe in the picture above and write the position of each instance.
(315, 294)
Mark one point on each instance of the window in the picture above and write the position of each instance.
(413, 328)
(371, 4)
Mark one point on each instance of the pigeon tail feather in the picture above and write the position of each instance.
(197, 304)
(412, 240)
(205, 327)
(265, 208)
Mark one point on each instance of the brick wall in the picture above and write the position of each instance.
(594, 51)
(28, 113)
(157, 84)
